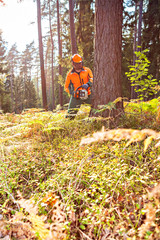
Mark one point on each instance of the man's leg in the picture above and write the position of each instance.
(74, 105)
(88, 101)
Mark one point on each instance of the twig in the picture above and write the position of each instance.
(83, 234)
(116, 186)
(59, 191)
(117, 210)
(131, 113)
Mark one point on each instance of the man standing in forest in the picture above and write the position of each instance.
(78, 84)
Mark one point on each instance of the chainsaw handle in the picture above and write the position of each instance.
(78, 88)
(75, 92)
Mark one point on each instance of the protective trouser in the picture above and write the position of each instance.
(74, 105)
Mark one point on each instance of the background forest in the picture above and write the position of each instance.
(20, 76)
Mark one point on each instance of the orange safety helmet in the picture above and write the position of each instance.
(76, 58)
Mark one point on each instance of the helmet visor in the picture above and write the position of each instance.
(77, 66)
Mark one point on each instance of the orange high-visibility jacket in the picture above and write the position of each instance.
(75, 80)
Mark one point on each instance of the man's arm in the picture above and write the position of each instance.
(90, 80)
(67, 82)
(90, 77)
(69, 85)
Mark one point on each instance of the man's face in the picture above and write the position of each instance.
(77, 66)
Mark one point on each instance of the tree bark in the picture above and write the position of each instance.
(107, 60)
(72, 27)
(47, 73)
(133, 93)
(60, 54)
(52, 57)
(135, 35)
(140, 22)
(43, 79)
(12, 98)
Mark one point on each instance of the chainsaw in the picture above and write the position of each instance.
(81, 93)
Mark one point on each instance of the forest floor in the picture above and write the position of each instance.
(88, 178)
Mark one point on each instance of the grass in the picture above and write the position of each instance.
(103, 190)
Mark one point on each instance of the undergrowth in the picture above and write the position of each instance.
(104, 190)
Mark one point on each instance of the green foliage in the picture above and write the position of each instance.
(61, 80)
(109, 106)
(138, 75)
(29, 95)
(3, 65)
(92, 188)
(141, 114)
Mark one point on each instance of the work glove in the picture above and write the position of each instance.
(85, 86)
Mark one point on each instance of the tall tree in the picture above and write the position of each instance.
(133, 93)
(108, 44)
(137, 44)
(43, 79)
(17, 94)
(72, 27)
(127, 45)
(135, 33)
(84, 24)
(140, 22)
(26, 64)
(52, 56)
(30, 97)
(37, 74)
(3, 68)
(26, 74)
(60, 54)
(13, 63)
(151, 36)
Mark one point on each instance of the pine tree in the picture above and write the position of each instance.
(72, 27)
(43, 79)
(30, 98)
(151, 33)
(3, 66)
(13, 64)
(60, 53)
(3, 72)
(84, 14)
(107, 65)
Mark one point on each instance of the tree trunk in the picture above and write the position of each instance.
(12, 98)
(140, 22)
(46, 62)
(107, 61)
(72, 27)
(52, 57)
(37, 84)
(135, 35)
(133, 93)
(43, 79)
(47, 73)
(60, 54)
